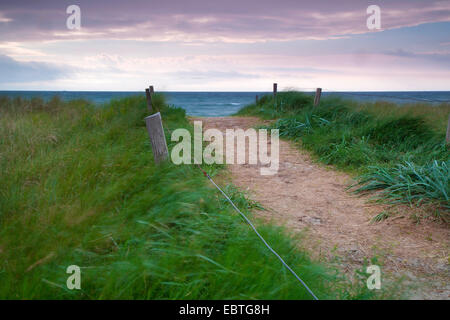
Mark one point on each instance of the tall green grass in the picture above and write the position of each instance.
(397, 150)
(79, 187)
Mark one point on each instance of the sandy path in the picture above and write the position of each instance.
(308, 197)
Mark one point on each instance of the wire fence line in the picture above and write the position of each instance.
(368, 94)
(259, 235)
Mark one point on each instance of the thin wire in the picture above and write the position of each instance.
(326, 90)
(262, 239)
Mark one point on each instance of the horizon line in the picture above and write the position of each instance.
(198, 91)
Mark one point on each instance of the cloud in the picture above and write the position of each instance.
(399, 53)
(3, 19)
(224, 45)
(210, 21)
(213, 75)
(441, 57)
(14, 71)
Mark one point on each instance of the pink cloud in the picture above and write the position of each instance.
(211, 21)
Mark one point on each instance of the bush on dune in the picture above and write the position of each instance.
(79, 187)
(398, 149)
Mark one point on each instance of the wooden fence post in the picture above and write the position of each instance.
(157, 137)
(151, 90)
(149, 100)
(447, 137)
(256, 99)
(317, 97)
(275, 90)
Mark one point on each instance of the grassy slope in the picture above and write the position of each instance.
(398, 150)
(79, 186)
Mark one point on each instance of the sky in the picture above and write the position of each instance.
(209, 45)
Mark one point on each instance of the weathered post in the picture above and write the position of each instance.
(151, 90)
(317, 97)
(149, 100)
(447, 137)
(275, 90)
(157, 137)
(256, 99)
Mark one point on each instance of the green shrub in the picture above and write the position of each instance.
(382, 143)
(79, 187)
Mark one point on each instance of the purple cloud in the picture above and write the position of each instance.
(206, 20)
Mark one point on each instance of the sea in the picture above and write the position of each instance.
(216, 104)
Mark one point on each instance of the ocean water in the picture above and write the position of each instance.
(211, 104)
(214, 104)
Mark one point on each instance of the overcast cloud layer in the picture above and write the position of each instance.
(225, 45)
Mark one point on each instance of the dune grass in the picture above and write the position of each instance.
(399, 151)
(79, 187)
